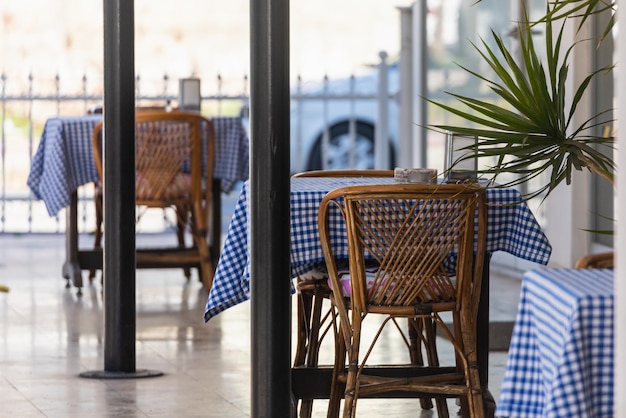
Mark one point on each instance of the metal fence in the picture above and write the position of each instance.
(24, 109)
(25, 105)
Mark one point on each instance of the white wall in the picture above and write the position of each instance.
(567, 217)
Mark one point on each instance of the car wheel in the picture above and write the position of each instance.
(340, 147)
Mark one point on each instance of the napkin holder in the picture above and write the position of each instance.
(415, 175)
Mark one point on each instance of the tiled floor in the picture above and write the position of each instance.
(49, 335)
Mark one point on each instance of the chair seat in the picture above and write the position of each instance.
(344, 278)
(319, 276)
(178, 188)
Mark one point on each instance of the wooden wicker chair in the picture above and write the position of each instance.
(410, 231)
(173, 151)
(314, 322)
(345, 173)
(598, 260)
(180, 230)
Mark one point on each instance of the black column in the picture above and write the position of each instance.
(119, 186)
(119, 194)
(269, 208)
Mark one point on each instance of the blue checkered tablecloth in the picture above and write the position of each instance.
(64, 158)
(231, 151)
(511, 228)
(561, 354)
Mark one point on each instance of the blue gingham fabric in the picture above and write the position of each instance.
(560, 360)
(63, 161)
(231, 152)
(511, 228)
(64, 158)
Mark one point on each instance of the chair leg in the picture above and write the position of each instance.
(336, 392)
(310, 323)
(433, 360)
(472, 406)
(352, 381)
(97, 200)
(313, 347)
(181, 226)
(206, 269)
(416, 337)
(314, 341)
(201, 244)
(475, 406)
(423, 331)
(467, 362)
(305, 302)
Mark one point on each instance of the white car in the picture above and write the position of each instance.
(330, 108)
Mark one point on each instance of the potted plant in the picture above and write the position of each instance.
(530, 131)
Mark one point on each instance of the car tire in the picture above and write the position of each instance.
(339, 156)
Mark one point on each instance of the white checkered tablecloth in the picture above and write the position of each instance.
(561, 354)
(64, 158)
(512, 228)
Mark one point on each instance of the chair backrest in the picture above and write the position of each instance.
(423, 238)
(598, 260)
(98, 109)
(173, 152)
(345, 173)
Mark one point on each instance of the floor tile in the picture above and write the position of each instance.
(49, 335)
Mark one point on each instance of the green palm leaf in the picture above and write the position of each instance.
(532, 135)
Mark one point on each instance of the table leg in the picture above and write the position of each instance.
(71, 267)
(216, 221)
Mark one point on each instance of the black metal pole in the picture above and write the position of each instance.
(119, 186)
(119, 261)
(269, 208)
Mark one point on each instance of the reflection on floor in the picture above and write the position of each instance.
(49, 336)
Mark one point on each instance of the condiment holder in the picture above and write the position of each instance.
(415, 175)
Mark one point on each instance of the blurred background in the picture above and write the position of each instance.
(359, 72)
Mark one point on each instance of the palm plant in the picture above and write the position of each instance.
(584, 8)
(534, 133)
